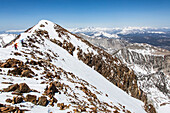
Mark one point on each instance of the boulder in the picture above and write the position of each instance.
(31, 98)
(17, 100)
(42, 101)
(24, 88)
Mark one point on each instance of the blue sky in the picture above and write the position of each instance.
(22, 14)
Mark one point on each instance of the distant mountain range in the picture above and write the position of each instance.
(159, 37)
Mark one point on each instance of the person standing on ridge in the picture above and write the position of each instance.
(22, 42)
(16, 46)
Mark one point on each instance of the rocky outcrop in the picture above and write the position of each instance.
(20, 68)
(21, 88)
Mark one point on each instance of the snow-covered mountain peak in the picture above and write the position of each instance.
(70, 69)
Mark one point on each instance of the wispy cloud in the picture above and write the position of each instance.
(15, 30)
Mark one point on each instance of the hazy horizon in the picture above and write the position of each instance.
(22, 14)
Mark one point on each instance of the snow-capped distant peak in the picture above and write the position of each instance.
(115, 32)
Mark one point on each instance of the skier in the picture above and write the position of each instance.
(16, 46)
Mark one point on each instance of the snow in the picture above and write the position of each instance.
(68, 63)
(6, 38)
(97, 32)
(164, 109)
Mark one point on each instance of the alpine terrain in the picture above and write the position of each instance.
(150, 64)
(56, 71)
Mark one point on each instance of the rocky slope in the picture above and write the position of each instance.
(152, 67)
(50, 70)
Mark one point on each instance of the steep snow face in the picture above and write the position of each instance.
(81, 87)
(6, 38)
(151, 65)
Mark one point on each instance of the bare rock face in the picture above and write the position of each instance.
(31, 98)
(42, 101)
(22, 71)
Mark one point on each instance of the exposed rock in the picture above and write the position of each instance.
(1, 105)
(21, 88)
(31, 98)
(6, 82)
(9, 100)
(62, 106)
(11, 88)
(17, 100)
(42, 101)
(10, 109)
(52, 101)
(17, 54)
(24, 88)
(12, 63)
(26, 73)
(16, 71)
(51, 89)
